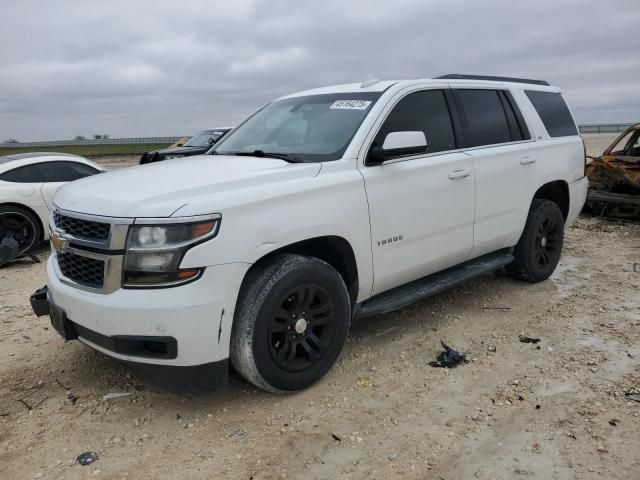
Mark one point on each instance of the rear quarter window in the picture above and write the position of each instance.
(25, 174)
(553, 112)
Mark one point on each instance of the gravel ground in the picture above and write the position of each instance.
(555, 410)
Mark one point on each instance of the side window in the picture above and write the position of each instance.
(26, 174)
(486, 119)
(425, 111)
(553, 112)
(65, 171)
(517, 125)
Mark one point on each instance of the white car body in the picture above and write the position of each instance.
(35, 196)
(403, 220)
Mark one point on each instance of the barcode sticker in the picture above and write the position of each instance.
(350, 105)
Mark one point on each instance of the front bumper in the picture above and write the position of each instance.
(197, 315)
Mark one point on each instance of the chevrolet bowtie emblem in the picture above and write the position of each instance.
(58, 242)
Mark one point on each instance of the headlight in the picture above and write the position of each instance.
(154, 252)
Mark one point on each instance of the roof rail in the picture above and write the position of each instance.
(459, 76)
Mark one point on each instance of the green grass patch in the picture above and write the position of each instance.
(90, 150)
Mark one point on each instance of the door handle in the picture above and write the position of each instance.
(459, 174)
(527, 160)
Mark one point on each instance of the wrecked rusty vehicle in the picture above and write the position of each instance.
(614, 177)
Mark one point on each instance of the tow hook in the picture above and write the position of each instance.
(40, 301)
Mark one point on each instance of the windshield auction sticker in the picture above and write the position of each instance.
(350, 105)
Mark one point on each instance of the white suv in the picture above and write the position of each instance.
(322, 206)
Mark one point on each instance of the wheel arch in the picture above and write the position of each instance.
(333, 249)
(30, 210)
(556, 191)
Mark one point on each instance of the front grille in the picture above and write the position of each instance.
(82, 270)
(82, 228)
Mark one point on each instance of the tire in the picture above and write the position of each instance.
(538, 251)
(22, 225)
(291, 322)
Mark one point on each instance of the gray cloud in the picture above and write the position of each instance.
(167, 68)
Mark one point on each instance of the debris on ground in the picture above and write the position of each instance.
(110, 396)
(336, 437)
(634, 397)
(450, 358)
(363, 382)
(527, 339)
(614, 422)
(87, 458)
(9, 249)
(491, 348)
(614, 177)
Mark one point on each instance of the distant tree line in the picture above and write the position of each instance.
(96, 136)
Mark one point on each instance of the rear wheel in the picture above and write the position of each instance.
(21, 225)
(291, 323)
(538, 251)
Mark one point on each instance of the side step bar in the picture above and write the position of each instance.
(431, 285)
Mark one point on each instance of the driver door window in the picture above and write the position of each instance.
(425, 111)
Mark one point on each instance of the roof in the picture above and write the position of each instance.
(9, 162)
(26, 156)
(459, 76)
(453, 79)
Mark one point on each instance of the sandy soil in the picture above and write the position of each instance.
(556, 410)
(597, 142)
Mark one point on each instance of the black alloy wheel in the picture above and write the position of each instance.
(301, 328)
(548, 242)
(538, 251)
(291, 322)
(20, 225)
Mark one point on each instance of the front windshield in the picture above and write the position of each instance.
(202, 139)
(312, 129)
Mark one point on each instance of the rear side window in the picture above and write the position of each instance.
(486, 120)
(49, 172)
(65, 171)
(26, 174)
(425, 111)
(553, 112)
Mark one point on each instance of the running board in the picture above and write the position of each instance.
(431, 285)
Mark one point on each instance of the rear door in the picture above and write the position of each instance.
(421, 207)
(56, 174)
(504, 159)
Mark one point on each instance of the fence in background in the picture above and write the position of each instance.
(605, 128)
(102, 141)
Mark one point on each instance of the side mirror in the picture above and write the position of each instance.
(211, 141)
(179, 144)
(399, 144)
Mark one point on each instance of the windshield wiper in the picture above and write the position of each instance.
(263, 154)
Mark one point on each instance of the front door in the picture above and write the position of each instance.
(421, 207)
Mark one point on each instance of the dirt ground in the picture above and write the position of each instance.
(555, 410)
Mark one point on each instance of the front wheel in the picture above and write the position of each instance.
(21, 225)
(291, 323)
(538, 251)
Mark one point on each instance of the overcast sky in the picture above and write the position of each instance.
(139, 68)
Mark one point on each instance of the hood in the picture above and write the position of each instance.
(183, 150)
(160, 189)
